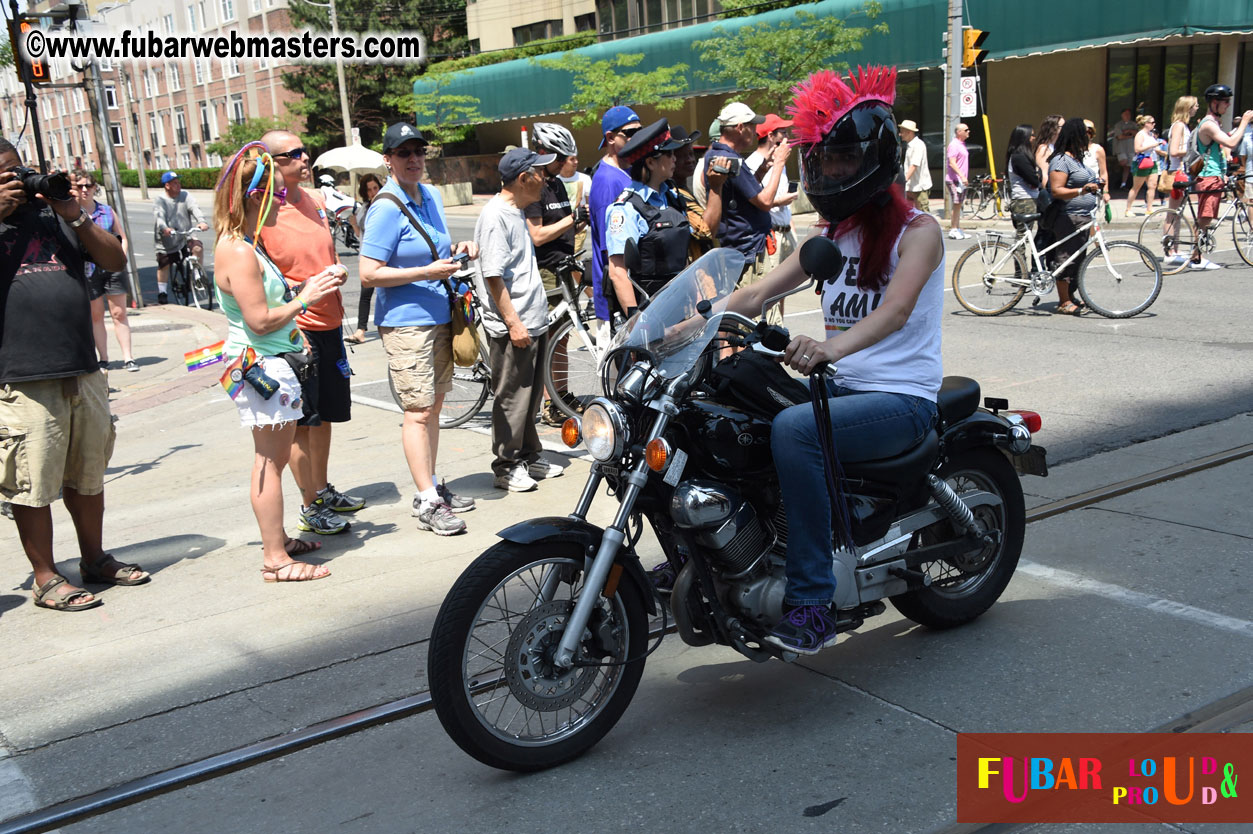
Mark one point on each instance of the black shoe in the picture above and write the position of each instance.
(162, 298)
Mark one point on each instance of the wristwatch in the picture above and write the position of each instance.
(83, 217)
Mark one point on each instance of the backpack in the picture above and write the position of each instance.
(1193, 162)
(756, 383)
(661, 252)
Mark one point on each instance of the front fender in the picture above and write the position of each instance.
(565, 530)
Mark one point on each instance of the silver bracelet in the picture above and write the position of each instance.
(83, 217)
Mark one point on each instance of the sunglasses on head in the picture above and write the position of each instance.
(280, 196)
(405, 153)
(294, 153)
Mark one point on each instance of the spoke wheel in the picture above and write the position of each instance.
(178, 284)
(1242, 231)
(1121, 282)
(574, 387)
(200, 291)
(964, 587)
(470, 389)
(990, 278)
(496, 688)
(1171, 235)
(987, 207)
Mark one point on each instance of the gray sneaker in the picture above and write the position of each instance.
(456, 503)
(319, 518)
(438, 518)
(338, 501)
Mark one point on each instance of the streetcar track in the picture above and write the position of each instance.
(1217, 716)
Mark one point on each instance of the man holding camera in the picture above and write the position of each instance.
(56, 433)
(740, 209)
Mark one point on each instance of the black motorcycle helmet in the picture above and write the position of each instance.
(858, 158)
(1214, 91)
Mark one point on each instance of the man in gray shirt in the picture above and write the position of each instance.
(515, 316)
(175, 215)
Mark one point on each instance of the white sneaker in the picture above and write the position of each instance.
(1174, 260)
(1204, 264)
(956, 234)
(541, 470)
(515, 480)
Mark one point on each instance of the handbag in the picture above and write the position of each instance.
(1144, 163)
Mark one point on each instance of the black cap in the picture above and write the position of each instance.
(647, 141)
(400, 133)
(518, 160)
(679, 134)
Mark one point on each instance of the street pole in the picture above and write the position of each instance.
(952, 102)
(135, 124)
(339, 73)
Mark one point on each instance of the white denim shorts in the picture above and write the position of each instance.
(282, 407)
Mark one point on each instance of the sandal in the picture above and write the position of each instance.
(300, 547)
(76, 601)
(308, 573)
(1070, 308)
(354, 339)
(123, 574)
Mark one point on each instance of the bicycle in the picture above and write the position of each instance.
(983, 198)
(569, 387)
(1117, 279)
(188, 283)
(341, 228)
(1179, 236)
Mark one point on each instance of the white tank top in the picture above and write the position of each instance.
(905, 362)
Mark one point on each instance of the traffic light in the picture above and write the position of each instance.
(27, 70)
(972, 39)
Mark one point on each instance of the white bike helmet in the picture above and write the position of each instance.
(326, 179)
(555, 138)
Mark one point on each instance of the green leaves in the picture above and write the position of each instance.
(599, 85)
(434, 110)
(237, 135)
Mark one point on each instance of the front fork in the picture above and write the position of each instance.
(606, 554)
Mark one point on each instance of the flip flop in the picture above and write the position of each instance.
(76, 601)
(277, 575)
(90, 572)
(300, 547)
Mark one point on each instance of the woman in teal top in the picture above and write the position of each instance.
(260, 308)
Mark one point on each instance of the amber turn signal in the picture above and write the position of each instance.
(570, 434)
(657, 454)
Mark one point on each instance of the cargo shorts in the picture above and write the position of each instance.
(419, 363)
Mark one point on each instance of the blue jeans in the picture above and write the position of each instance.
(866, 426)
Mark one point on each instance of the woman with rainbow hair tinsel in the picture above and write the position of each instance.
(260, 307)
(882, 315)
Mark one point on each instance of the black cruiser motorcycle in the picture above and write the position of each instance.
(538, 648)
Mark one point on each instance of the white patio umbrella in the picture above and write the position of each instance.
(355, 159)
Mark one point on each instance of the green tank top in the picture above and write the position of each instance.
(1214, 165)
(240, 336)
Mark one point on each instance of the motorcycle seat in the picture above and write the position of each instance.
(958, 398)
(905, 468)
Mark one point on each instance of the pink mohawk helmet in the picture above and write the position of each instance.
(822, 99)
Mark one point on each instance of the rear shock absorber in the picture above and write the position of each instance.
(956, 508)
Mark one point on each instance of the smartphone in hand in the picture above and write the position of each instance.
(793, 186)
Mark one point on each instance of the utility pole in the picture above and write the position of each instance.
(952, 101)
(135, 124)
(339, 73)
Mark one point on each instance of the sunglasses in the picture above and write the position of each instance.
(628, 132)
(294, 153)
(405, 153)
(280, 196)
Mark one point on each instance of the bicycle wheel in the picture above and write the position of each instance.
(470, 389)
(571, 389)
(200, 291)
(1170, 233)
(987, 206)
(178, 283)
(973, 200)
(990, 278)
(1121, 281)
(1242, 231)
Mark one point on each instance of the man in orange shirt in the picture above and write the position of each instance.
(300, 244)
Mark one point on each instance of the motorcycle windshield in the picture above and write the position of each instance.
(670, 327)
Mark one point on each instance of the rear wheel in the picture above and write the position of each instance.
(571, 370)
(1120, 282)
(990, 277)
(495, 686)
(1170, 234)
(963, 588)
(987, 207)
(1242, 230)
(470, 388)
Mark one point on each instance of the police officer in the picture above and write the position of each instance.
(649, 213)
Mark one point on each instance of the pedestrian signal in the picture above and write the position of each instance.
(34, 71)
(972, 39)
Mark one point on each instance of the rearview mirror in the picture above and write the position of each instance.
(821, 259)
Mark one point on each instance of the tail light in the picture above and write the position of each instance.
(1030, 419)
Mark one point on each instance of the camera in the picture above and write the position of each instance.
(728, 165)
(53, 186)
(461, 258)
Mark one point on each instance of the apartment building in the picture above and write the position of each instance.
(166, 111)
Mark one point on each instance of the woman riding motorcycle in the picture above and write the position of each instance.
(882, 316)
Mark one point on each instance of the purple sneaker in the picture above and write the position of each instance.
(805, 630)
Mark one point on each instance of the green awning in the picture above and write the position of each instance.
(522, 89)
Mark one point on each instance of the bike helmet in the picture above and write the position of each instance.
(555, 138)
(326, 179)
(1214, 91)
(849, 140)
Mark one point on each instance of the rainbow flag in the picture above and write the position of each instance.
(200, 357)
(232, 378)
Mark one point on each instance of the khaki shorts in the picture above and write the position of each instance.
(754, 271)
(419, 363)
(920, 199)
(54, 433)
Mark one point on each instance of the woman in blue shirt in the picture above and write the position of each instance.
(405, 255)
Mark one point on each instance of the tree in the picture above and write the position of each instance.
(602, 84)
(371, 89)
(436, 111)
(770, 58)
(238, 135)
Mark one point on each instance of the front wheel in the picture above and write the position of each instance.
(963, 588)
(571, 367)
(179, 284)
(495, 688)
(1171, 232)
(199, 289)
(990, 277)
(1242, 230)
(1121, 281)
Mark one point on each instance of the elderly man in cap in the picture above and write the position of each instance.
(782, 241)
(515, 316)
(175, 216)
(618, 125)
(742, 204)
(917, 172)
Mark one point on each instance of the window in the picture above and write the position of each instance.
(233, 68)
(167, 24)
(77, 95)
(53, 146)
(198, 70)
(61, 103)
(106, 65)
(110, 97)
(623, 18)
(1147, 80)
(84, 140)
(228, 10)
(150, 84)
(237, 108)
(115, 133)
(69, 142)
(536, 31)
(184, 160)
(207, 133)
(180, 126)
(254, 5)
(204, 17)
(193, 22)
(176, 81)
(585, 23)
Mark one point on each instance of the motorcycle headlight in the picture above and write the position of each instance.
(604, 430)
